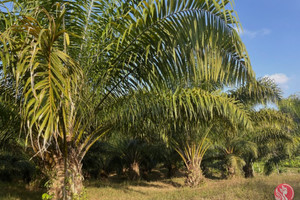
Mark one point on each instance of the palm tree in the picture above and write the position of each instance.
(274, 129)
(291, 105)
(182, 118)
(191, 145)
(230, 151)
(75, 63)
(9, 119)
(228, 137)
(288, 145)
(236, 147)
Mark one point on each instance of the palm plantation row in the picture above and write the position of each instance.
(74, 73)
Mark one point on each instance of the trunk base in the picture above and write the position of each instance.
(134, 171)
(248, 170)
(194, 176)
(231, 172)
(69, 188)
(171, 170)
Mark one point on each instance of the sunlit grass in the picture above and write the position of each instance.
(258, 188)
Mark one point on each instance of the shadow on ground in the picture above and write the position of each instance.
(18, 191)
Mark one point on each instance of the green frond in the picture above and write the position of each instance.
(263, 91)
(48, 76)
(291, 105)
(86, 66)
(272, 117)
(183, 106)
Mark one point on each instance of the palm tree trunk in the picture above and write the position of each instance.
(68, 187)
(134, 171)
(171, 170)
(248, 170)
(231, 171)
(278, 172)
(194, 174)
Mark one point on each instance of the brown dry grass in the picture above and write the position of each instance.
(258, 188)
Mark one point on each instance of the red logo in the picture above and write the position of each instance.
(284, 192)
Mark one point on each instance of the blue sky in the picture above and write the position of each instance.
(271, 32)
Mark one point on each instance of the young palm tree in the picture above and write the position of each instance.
(232, 154)
(76, 66)
(235, 146)
(238, 148)
(180, 119)
(231, 144)
(275, 140)
(291, 105)
(273, 129)
(191, 145)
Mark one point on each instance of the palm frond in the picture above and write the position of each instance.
(183, 105)
(262, 91)
(48, 76)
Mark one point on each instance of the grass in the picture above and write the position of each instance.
(258, 188)
(18, 191)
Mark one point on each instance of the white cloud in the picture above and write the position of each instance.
(281, 79)
(253, 34)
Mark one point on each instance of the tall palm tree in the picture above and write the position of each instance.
(75, 63)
